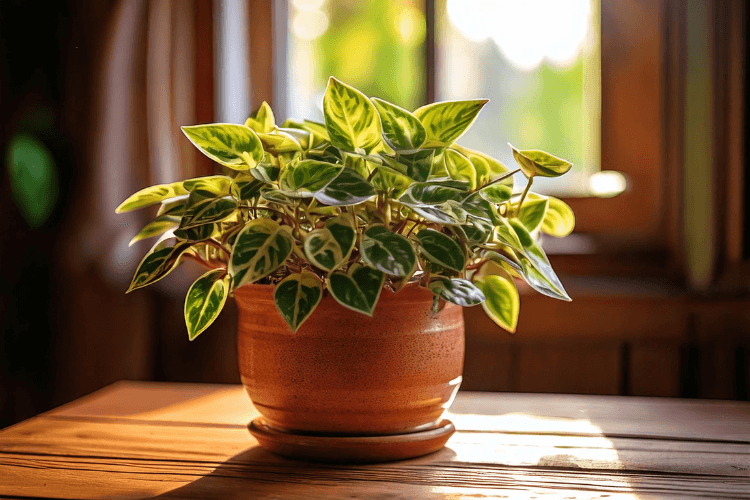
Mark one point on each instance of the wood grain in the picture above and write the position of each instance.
(139, 440)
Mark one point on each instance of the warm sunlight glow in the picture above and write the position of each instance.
(607, 183)
(528, 32)
(410, 25)
(310, 24)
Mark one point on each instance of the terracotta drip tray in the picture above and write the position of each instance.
(351, 449)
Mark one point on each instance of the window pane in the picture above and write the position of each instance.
(375, 45)
(538, 63)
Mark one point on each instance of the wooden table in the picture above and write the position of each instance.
(136, 440)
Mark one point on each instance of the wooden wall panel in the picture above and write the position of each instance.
(654, 369)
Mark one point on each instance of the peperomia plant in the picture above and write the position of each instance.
(375, 197)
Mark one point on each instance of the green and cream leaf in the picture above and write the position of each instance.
(359, 289)
(401, 129)
(205, 300)
(260, 248)
(446, 121)
(457, 290)
(329, 246)
(441, 249)
(158, 263)
(534, 162)
(296, 297)
(352, 122)
(156, 227)
(387, 251)
(234, 146)
(151, 196)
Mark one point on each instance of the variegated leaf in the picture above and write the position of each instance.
(201, 209)
(347, 188)
(218, 184)
(535, 263)
(173, 206)
(157, 263)
(460, 168)
(496, 168)
(351, 119)
(262, 121)
(318, 130)
(418, 163)
(329, 246)
(296, 297)
(151, 196)
(533, 210)
(278, 142)
(559, 221)
(387, 251)
(457, 290)
(265, 172)
(423, 194)
(234, 146)
(277, 197)
(359, 289)
(502, 303)
(156, 227)
(448, 213)
(307, 177)
(205, 300)
(441, 249)
(446, 121)
(260, 248)
(302, 136)
(386, 178)
(496, 193)
(504, 233)
(534, 162)
(197, 233)
(246, 187)
(401, 129)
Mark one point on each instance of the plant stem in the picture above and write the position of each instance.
(499, 179)
(218, 246)
(523, 196)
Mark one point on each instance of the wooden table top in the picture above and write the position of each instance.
(140, 440)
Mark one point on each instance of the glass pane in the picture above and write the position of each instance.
(538, 63)
(375, 45)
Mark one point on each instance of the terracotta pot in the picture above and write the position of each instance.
(343, 373)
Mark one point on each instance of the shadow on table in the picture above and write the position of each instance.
(256, 473)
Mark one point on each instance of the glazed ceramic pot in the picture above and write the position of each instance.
(344, 373)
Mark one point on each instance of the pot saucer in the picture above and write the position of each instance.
(351, 449)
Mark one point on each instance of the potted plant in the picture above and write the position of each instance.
(351, 247)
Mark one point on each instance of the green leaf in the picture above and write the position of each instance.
(401, 129)
(218, 184)
(496, 193)
(387, 251)
(423, 194)
(533, 210)
(329, 246)
(150, 196)
(534, 162)
(460, 168)
(476, 157)
(318, 130)
(296, 297)
(302, 136)
(347, 188)
(448, 182)
(201, 209)
(173, 206)
(351, 119)
(262, 121)
(418, 163)
(477, 231)
(260, 248)
(307, 177)
(446, 121)
(535, 263)
(504, 233)
(156, 264)
(441, 249)
(156, 227)
(277, 198)
(278, 142)
(502, 303)
(246, 187)
(198, 233)
(265, 172)
(449, 213)
(328, 183)
(559, 221)
(205, 300)
(385, 178)
(359, 289)
(234, 146)
(457, 290)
